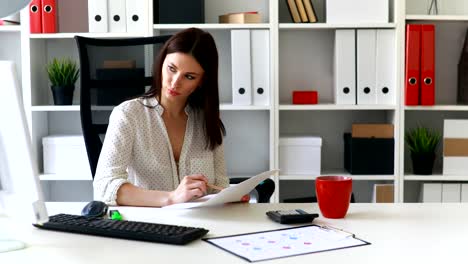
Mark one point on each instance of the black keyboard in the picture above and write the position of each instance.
(169, 234)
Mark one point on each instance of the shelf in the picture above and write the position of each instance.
(438, 108)
(84, 34)
(243, 107)
(211, 26)
(63, 108)
(336, 107)
(55, 108)
(61, 177)
(437, 18)
(10, 28)
(354, 177)
(332, 26)
(436, 177)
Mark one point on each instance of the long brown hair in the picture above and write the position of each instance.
(205, 98)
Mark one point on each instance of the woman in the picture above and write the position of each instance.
(166, 146)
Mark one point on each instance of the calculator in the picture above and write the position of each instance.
(291, 216)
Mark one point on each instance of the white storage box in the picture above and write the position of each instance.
(357, 11)
(66, 155)
(455, 166)
(455, 128)
(300, 155)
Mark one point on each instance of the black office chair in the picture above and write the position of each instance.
(262, 192)
(105, 83)
(112, 71)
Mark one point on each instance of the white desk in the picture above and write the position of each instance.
(399, 233)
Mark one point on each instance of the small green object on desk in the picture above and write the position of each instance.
(115, 215)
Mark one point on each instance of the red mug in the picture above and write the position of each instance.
(333, 195)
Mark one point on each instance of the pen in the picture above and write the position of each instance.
(214, 187)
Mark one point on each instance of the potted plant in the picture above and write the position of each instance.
(62, 75)
(422, 143)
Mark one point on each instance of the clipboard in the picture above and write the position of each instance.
(286, 242)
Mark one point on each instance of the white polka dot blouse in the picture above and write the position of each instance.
(137, 150)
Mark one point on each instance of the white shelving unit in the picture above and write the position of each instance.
(305, 62)
(450, 28)
(301, 57)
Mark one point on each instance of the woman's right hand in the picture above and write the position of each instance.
(191, 187)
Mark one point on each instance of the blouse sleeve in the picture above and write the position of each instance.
(111, 171)
(220, 167)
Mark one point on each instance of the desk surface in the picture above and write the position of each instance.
(399, 233)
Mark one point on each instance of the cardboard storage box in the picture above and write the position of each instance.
(383, 193)
(455, 147)
(372, 131)
(300, 155)
(240, 18)
(357, 11)
(66, 154)
(368, 155)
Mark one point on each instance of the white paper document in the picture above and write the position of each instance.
(228, 195)
(267, 245)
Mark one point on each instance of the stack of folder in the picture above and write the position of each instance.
(250, 58)
(420, 65)
(118, 16)
(364, 66)
(444, 193)
(43, 16)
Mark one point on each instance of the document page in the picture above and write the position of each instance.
(231, 194)
(285, 242)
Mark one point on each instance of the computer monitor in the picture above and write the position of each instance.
(20, 191)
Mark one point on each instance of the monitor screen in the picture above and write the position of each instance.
(20, 191)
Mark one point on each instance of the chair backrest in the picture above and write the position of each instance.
(111, 71)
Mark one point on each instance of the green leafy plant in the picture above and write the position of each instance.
(62, 72)
(422, 140)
